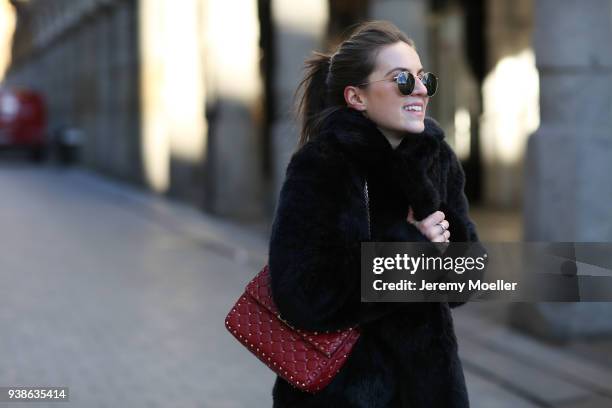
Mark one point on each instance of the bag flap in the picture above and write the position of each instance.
(325, 342)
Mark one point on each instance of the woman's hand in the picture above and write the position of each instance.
(434, 226)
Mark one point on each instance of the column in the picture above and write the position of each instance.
(567, 186)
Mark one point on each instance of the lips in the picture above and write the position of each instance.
(416, 108)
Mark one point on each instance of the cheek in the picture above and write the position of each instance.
(386, 104)
(387, 97)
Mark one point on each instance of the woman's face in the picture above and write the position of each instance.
(393, 112)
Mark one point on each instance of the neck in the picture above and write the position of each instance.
(393, 138)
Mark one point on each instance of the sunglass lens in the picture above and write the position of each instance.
(431, 83)
(405, 83)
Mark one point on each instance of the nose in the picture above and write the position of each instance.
(419, 87)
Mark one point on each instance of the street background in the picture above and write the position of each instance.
(120, 260)
(121, 296)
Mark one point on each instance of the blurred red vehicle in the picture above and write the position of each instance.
(23, 121)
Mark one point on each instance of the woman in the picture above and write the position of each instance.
(363, 121)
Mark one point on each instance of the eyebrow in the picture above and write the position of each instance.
(403, 69)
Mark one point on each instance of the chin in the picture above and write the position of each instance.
(418, 127)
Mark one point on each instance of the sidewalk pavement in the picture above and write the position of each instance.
(121, 295)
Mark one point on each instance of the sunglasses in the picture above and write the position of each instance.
(406, 82)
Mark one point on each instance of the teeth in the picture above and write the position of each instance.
(415, 108)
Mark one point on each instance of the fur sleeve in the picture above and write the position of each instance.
(315, 245)
(456, 207)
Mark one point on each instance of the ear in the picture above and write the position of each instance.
(355, 98)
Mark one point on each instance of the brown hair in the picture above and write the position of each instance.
(326, 75)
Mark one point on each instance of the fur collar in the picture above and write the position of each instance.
(361, 138)
(406, 167)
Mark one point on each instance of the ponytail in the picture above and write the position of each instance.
(314, 95)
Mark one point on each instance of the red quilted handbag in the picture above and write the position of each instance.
(307, 360)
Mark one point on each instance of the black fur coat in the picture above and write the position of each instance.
(407, 353)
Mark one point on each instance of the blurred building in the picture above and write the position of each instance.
(194, 98)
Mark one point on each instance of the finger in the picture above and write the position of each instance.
(442, 227)
(410, 217)
(434, 232)
(439, 238)
(433, 219)
(437, 231)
